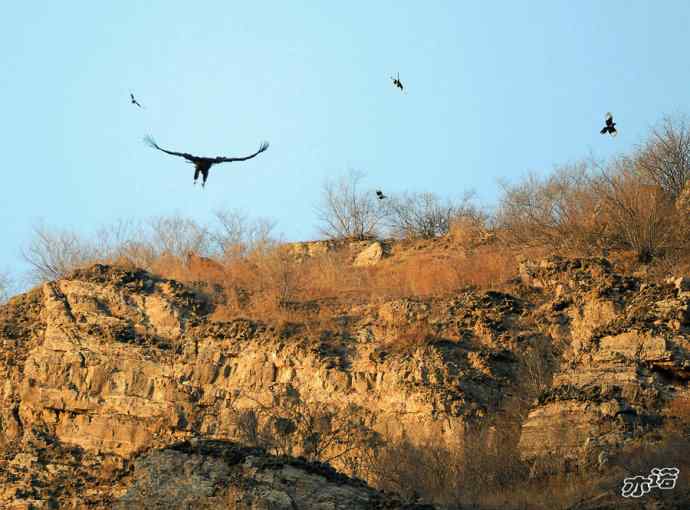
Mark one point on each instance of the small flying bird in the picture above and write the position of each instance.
(202, 165)
(134, 101)
(610, 126)
(380, 194)
(397, 82)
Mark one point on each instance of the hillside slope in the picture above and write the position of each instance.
(109, 368)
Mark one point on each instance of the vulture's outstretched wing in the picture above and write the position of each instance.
(148, 140)
(221, 159)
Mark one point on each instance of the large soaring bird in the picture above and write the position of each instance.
(203, 165)
(610, 126)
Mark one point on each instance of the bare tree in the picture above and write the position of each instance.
(52, 254)
(276, 273)
(125, 239)
(640, 215)
(559, 209)
(347, 212)
(665, 157)
(5, 287)
(425, 215)
(291, 426)
(239, 235)
(178, 236)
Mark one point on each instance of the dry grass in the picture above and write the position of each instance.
(272, 284)
(408, 336)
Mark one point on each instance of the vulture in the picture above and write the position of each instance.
(610, 126)
(202, 165)
(134, 101)
(397, 82)
(380, 194)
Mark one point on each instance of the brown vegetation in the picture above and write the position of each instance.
(5, 285)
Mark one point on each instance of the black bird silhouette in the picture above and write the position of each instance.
(397, 82)
(380, 194)
(610, 126)
(134, 101)
(202, 165)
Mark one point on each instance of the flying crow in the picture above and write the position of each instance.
(203, 165)
(380, 194)
(610, 126)
(134, 101)
(397, 82)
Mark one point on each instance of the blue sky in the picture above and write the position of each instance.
(493, 90)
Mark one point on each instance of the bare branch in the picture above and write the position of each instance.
(665, 157)
(347, 212)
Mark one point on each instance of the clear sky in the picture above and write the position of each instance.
(493, 90)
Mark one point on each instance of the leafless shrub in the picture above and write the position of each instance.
(432, 471)
(559, 210)
(278, 273)
(331, 274)
(139, 253)
(247, 426)
(5, 287)
(177, 236)
(473, 229)
(125, 240)
(425, 215)
(53, 253)
(115, 236)
(347, 212)
(665, 157)
(449, 475)
(623, 205)
(536, 367)
(640, 216)
(291, 426)
(239, 235)
(491, 458)
(156, 244)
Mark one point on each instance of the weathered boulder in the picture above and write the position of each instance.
(369, 256)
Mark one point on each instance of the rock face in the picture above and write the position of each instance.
(119, 358)
(117, 361)
(310, 249)
(107, 369)
(223, 475)
(190, 474)
(626, 356)
(369, 256)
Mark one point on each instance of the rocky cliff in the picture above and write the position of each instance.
(626, 356)
(119, 385)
